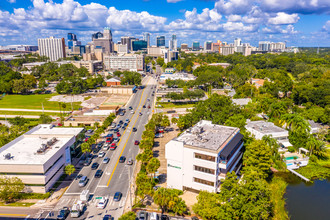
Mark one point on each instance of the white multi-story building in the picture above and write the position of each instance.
(39, 156)
(262, 128)
(54, 48)
(200, 157)
(132, 62)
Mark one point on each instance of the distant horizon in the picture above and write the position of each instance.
(302, 23)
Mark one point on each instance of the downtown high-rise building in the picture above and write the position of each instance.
(146, 37)
(53, 48)
(104, 41)
(72, 41)
(237, 42)
(195, 45)
(160, 41)
(173, 43)
(127, 41)
(208, 45)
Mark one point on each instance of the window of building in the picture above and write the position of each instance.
(205, 182)
(204, 169)
(204, 157)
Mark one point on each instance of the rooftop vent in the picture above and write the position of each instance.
(8, 156)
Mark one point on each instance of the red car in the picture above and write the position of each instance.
(149, 106)
(136, 142)
(113, 146)
(118, 134)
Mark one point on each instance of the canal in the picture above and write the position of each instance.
(306, 201)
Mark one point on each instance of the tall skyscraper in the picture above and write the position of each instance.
(146, 37)
(208, 45)
(160, 41)
(237, 42)
(173, 43)
(195, 45)
(139, 45)
(104, 40)
(127, 41)
(52, 47)
(72, 41)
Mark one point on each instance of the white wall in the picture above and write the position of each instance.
(174, 156)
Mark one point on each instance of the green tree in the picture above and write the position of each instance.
(257, 157)
(237, 120)
(45, 119)
(69, 169)
(85, 148)
(174, 120)
(316, 147)
(168, 199)
(18, 120)
(10, 188)
(128, 216)
(153, 165)
(166, 121)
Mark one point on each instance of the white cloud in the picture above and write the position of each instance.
(233, 6)
(234, 18)
(11, 1)
(326, 26)
(284, 18)
(301, 6)
(277, 29)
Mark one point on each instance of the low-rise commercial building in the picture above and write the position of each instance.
(39, 156)
(263, 128)
(175, 76)
(115, 81)
(92, 65)
(200, 157)
(131, 62)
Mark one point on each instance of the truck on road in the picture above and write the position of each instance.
(77, 209)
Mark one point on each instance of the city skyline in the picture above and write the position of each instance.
(304, 23)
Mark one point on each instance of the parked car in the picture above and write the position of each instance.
(130, 161)
(164, 217)
(107, 217)
(98, 173)
(113, 125)
(143, 215)
(101, 154)
(106, 160)
(113, 146)
(137, 142)
(94, 166)
(87, 161)
(122, 159)
(102, 203)
(63, 213)
(117, 196)
(83, 181)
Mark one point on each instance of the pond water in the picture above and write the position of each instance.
(308, 201)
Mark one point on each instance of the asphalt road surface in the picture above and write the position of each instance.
(116, 176)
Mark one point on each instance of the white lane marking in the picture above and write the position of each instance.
(102, 186)
(27, 217)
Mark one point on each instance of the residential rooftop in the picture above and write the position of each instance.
(265, 127)
(208, 136)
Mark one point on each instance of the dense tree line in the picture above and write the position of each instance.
(186, 94)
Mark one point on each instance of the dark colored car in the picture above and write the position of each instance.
(64, 212)
(136, 142)
(130, 108)
(87, 162)
(116, 130)
(98, 173)
(134, 129)
(148, 106)
(144, 106)
(121, 121)
(107, 217)
(117, 196)
(78, 177)
(164, 217)
(96, 150)
(122, 159)
(94, 166)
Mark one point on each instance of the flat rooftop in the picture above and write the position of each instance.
(46, 129)
(24, 150)
(264, 127)
(206, 135)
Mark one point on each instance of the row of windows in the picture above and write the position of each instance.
(204, 169)
(205, 182)
(204, 157)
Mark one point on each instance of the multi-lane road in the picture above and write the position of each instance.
(116, 176)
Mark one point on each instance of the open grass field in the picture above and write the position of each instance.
(34, 102)
(173, 105)
(29, 113)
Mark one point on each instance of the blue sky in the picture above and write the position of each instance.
(298, 22)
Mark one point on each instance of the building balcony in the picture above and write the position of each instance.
(222, 176)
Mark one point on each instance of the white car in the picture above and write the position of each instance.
(106, 160)
(105, 147)
(101, 154)
(102, 203)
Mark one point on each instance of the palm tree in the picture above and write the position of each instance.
(296, 123)
(316, 147)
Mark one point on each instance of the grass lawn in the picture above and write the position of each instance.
(34, 102)
(174, 105)
(17, 204)
(28, 113)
